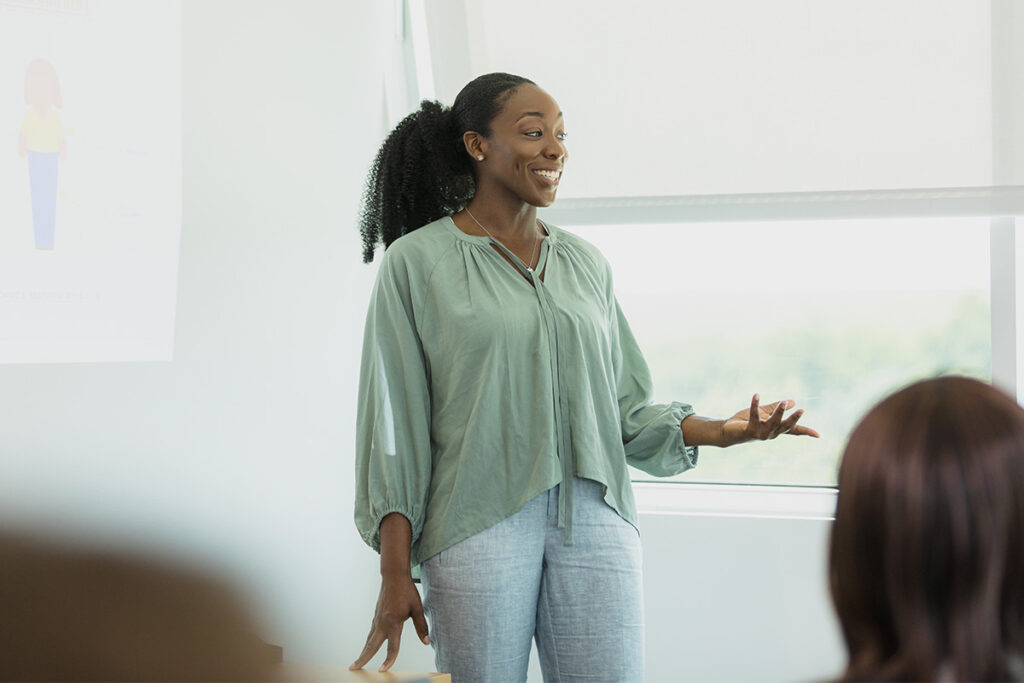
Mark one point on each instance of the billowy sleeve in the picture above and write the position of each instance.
(651, 432)
(393, 454)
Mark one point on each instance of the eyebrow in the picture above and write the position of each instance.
(535, 113)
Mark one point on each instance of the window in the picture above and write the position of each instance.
(797, 198)
(833, 314)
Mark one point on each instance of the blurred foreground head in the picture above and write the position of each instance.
(91, 615)
(927, 549)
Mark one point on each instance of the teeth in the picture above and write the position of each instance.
(553, 176)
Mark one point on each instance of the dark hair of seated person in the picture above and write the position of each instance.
(926, 559)
(86, 614)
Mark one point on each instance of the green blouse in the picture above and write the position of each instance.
(480, 390)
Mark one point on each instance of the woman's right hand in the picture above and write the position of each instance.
(398, 599)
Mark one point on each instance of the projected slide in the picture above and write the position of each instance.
(90, 179)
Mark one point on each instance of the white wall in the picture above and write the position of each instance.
(737, 599)
(238, 454)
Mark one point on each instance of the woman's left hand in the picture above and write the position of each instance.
(760, 423)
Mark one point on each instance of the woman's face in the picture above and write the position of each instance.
(525, 152)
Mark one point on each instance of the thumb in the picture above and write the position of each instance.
(420, 622)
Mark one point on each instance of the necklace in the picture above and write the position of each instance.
(536, 242)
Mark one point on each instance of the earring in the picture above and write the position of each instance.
(480, 157)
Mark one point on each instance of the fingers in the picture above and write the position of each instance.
(790, 426)
(758, 428)
(377, 638)
(393, 642)
(770, 427)
(373, 643)
(800, 430)
(775, 421)
(754, 417)
(790, 422)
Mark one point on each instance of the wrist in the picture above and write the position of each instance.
(395, 571)
(723, 438)
(703, 431)
(395, 546)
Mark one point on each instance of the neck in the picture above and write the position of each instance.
(507, 219)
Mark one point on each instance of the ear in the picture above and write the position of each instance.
(476, 144)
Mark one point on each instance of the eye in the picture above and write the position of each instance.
(533, 133)
(562, 136)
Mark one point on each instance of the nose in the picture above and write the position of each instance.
(556, 150)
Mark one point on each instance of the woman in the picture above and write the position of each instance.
(927, 549)
(501, 397)
(42, 140)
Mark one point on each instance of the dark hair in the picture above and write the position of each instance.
(926, 559)
(422, 171)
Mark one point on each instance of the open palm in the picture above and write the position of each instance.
(769, 421)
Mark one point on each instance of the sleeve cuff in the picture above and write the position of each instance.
(372, 533)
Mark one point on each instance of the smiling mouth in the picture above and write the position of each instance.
(551, 176)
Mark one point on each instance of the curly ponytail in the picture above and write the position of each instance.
(422, 171)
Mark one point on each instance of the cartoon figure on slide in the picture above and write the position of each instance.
(42, 140)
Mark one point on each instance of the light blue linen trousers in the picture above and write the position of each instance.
(488, 597)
